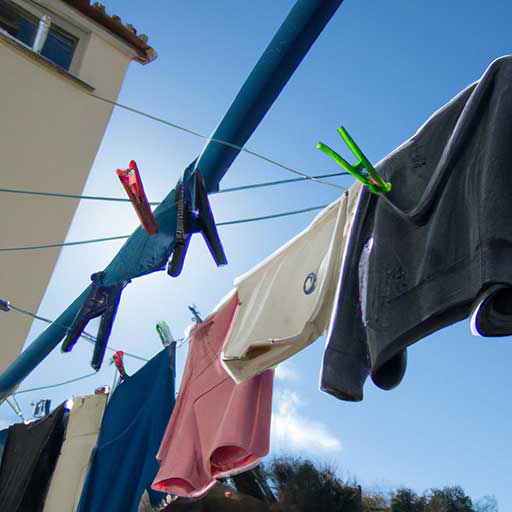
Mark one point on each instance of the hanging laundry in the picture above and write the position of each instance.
(286, 301)
(80, 439)
(217, 428)
(492, 314)
(3, 442)
(123, 464)
(28, 462)
(421, 255)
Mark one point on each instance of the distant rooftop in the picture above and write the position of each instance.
(113, 23)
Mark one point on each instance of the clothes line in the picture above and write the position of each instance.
(57, 385)
(156, 203)
(123, 237)
(16, 402)
(16, 410)
(216, 140)
(88, 337)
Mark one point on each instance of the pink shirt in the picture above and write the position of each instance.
(217, 428)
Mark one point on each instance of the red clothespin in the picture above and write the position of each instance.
(118, 361)
(130, 178)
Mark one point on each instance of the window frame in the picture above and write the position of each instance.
(58, 24)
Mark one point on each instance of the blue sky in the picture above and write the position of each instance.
(380, 69)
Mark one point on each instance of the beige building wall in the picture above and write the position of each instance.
(50, 131)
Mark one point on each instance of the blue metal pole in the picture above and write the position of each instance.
(285, 52)
(142, 254)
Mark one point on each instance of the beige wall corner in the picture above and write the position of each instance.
(50, 133)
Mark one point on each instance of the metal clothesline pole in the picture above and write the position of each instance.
(142, 254)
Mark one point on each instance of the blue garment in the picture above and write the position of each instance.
(124, 464)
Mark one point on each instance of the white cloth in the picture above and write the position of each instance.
(81, 437)
(285, 302)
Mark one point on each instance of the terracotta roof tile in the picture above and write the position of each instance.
(114, 24)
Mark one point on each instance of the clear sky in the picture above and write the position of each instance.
(380, 69)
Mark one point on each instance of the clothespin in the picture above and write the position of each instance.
(197, 317)
(103, 302)
(132, 183)
(194, 215)
(117, 359)
(41, 408)
(4, 305)
(165, 333)
(102, 390)
(362, 170)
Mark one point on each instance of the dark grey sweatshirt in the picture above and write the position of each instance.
(419, 257)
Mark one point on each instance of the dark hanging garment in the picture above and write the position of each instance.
(28, 462)
(3, 441)
(434, 248)
(123, 464)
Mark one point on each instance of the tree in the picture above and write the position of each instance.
(374, 501)
(406, 500)
(293, 484)
(487, 504)
(303, 487)
(449, 499)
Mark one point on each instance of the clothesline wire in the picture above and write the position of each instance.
(16, 403)
(64, 244)
(16, 411)
(122, 237)
(89, 337)
(180, 342)
(281, 182)
(51, 386)
(64, 383)
(156, 203)
(217, 141)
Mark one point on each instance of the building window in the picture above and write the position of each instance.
(59, 46)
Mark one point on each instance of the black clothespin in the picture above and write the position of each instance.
(41, 408)
(197, 317)
(101, 301)
(194, 215)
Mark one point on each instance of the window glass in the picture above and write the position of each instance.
(59, 47)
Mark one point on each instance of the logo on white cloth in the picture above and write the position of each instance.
(310, 283)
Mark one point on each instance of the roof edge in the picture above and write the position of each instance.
(127, 33)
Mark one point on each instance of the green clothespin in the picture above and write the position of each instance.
(165, 333)
(362, 170)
